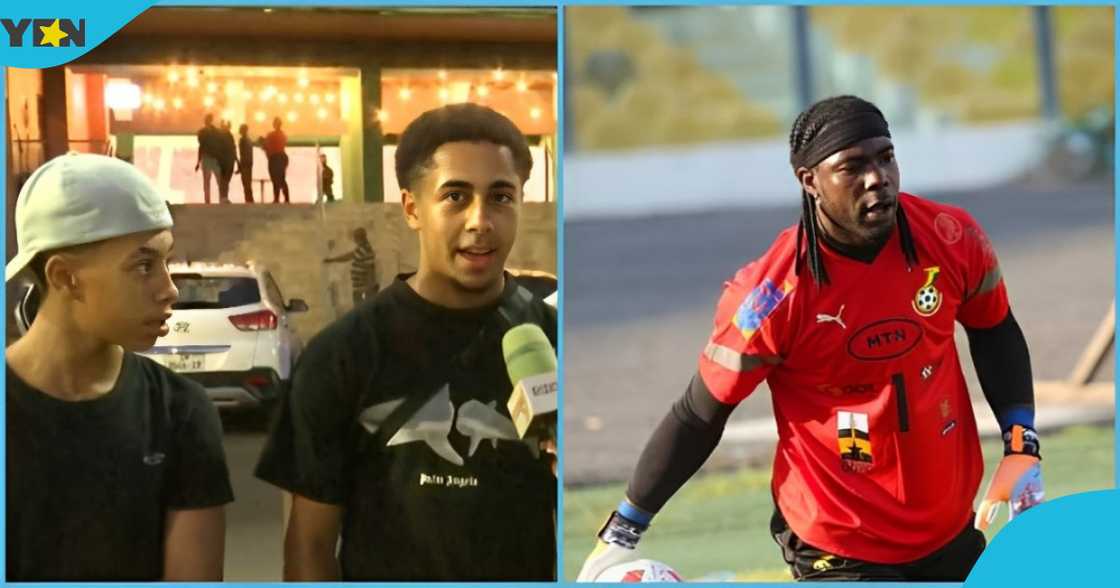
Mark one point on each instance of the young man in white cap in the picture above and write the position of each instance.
(115, 464)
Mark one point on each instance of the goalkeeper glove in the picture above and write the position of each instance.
(1018, 479)
(616, 543)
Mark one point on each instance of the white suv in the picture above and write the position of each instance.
(229, 332)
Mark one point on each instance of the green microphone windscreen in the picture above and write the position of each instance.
(527, 352)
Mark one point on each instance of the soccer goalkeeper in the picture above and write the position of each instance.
(849, 317)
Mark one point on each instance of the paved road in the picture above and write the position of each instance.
(639, 295)
(253, 541)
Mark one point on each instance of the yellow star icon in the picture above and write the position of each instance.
(52, 34)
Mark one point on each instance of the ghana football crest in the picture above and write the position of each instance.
(928, 299)
(855, 441)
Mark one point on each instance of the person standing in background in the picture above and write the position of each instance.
(245, 162)
(363, 266)
(208, 138)
(328, 178)
(227, 160)
(274, 148)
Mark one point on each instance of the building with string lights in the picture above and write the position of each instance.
(344, 81)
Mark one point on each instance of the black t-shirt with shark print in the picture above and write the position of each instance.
(451, 493)
(89, 483)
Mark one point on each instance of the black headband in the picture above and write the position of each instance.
(839, 134)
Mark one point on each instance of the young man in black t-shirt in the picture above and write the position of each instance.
(115, 466)
(395, 434)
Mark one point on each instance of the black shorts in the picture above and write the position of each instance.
(951, 563)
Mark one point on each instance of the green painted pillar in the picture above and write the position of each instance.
(372, 143)
(350, 143)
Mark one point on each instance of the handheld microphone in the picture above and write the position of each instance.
(531, 363)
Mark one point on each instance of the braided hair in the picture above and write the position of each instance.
(805, 129)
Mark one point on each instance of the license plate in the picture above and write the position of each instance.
(186, 362)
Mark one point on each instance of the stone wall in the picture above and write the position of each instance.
(291, 241)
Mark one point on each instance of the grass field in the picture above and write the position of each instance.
(717, 527)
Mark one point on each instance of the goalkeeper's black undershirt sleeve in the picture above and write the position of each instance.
(678, 447)
(1003, 365)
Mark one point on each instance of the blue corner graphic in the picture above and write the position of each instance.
(50, 33)
(1057, 543)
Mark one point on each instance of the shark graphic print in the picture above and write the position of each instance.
(432, 423)
(479, 422)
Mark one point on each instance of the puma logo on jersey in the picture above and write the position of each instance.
(827, 318)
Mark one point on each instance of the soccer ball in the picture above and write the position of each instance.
(642, 570)
(927, 300)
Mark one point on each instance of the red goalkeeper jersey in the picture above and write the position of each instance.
(878, 457)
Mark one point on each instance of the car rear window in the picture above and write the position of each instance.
(197, 291)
